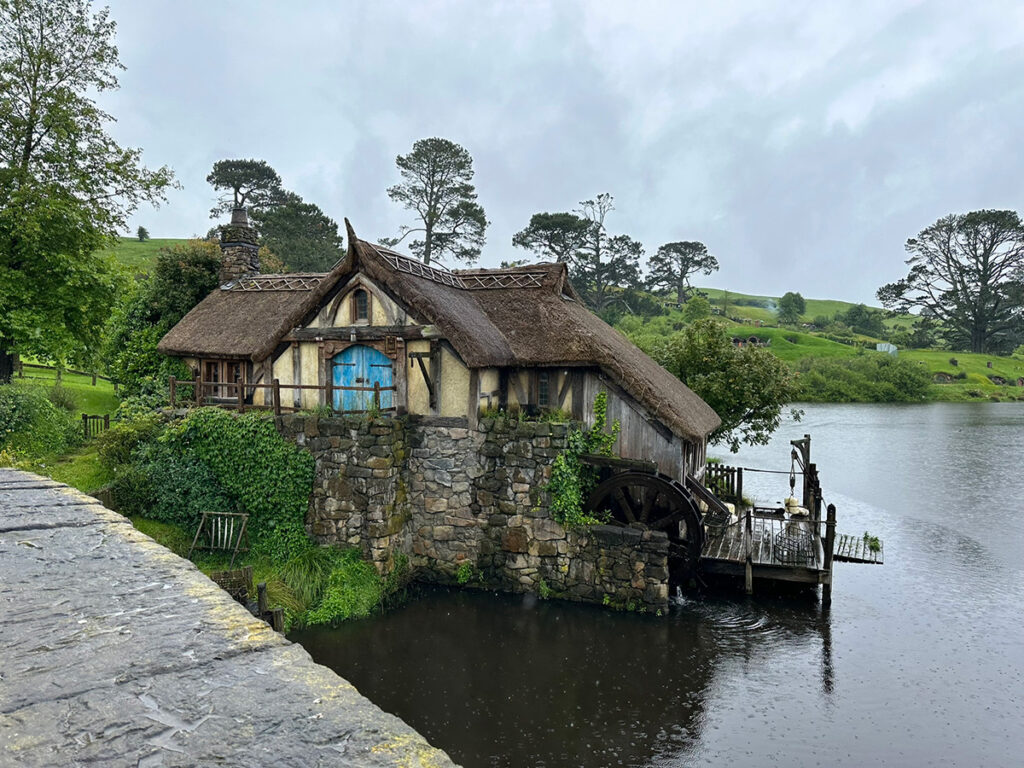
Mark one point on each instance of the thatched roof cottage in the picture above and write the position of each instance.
(384, 330)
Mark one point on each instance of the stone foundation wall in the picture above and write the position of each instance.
(467, 504)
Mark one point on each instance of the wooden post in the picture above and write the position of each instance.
(329, 389)
(830, 543)
(748, 570)
(277, 620)
(261, 598)
(739, 487)
(106, 421)
(276, 394)
(376, 395)
(174, 393)
(94, 379)
(241, 396)
(85, 426)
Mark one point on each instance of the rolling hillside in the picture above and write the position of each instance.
(139, 257)
(766, 312)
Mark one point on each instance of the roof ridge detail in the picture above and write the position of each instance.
(287, 282)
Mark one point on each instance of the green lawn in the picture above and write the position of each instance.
(139, 257)
(815, 307)
(90, 399)
(975, 366)
(80, 469)
(805, 344)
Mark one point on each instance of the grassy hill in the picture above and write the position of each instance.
(139, 257)
(766, 312)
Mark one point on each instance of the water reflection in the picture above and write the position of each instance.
(918, 662)
(501, 680)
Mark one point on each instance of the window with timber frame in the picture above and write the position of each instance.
(360, 303)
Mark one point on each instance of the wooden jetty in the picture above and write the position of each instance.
(774, 544)
(713, 531)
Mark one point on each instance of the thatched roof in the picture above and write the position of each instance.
(521, 317)
(245, 318)
(527, 317)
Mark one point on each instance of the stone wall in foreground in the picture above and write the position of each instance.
(467, 506)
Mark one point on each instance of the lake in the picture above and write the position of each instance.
(918, 662)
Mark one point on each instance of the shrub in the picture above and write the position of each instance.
(63, 398)
(116, 445)
(30, 425)
(353, 590)
(869, 378)
(254, 466)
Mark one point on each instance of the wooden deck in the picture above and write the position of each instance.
(855, 549)
(781, 549)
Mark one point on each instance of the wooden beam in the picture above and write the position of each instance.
(362, 333)
(473, 405)
(564, 389)
(517, 383)
(435, 374)
(297, 374)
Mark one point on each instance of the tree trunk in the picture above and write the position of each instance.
(6, 364)
(680, 293)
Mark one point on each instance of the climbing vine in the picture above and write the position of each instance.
(571, 479)
(267, 476)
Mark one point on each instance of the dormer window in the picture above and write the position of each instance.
(360, 306)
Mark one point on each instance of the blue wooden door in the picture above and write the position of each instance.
(360, 366)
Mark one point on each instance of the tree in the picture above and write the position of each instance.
(244, 184)
(863, 319)
(66, 187)
(604, 266)
(674, 263)
(300, 234)
(436, 178)
(696, 308)
(966, 271)
(554, 236)
(182, 277)
(791, 307)
(748, 387)
(143, 234)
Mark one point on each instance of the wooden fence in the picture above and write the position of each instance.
(93, 425)
(19, 370)
(234, 395)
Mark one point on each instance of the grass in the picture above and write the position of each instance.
(91, 399)
(814, 308)
(80, 469)
(805, 345)
(140, 257)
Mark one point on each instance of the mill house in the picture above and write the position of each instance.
(449, 350)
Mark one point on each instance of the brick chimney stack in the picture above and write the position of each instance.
(238, 247)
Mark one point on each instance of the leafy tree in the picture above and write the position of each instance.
(862, 319)
(748, 387)
(696, 308)
(244, 184)
(791, 307)
(182, 277)
(554, 236)
(966, 270)
(66, 187)
(300, 234)
(143, 234)
(436, 178)
(605, 265)
(674, 263)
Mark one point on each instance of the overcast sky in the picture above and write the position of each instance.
(801, 142)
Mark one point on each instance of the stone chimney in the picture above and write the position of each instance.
(238, 248)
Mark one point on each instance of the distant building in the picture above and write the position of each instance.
(884, 346)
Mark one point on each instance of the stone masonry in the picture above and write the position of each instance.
(468, 504)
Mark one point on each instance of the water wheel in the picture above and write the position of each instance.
(652, 501)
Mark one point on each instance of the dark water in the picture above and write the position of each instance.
(919, 662)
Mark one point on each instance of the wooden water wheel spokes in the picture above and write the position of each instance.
(652, 501)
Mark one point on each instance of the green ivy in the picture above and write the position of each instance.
(270, 478)
(572, 480)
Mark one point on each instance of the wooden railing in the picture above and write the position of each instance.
(19, 370)
(93, 425)
(725, 482)
(238, 395)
